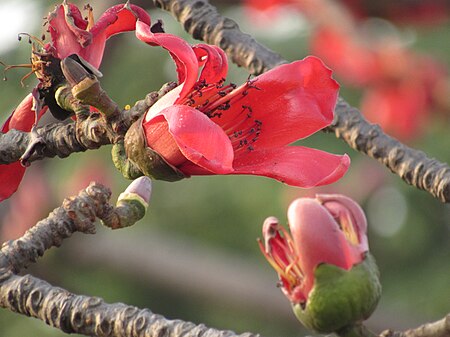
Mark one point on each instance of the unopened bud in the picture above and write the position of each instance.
(140, 188)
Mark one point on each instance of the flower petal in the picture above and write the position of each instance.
(181, 52)
(348, 213)
(201, 141)
(318, 239)
(214, 62)
(287, 103)
(294, 165)
(10, 175)
(68, 30)
(22, 119)
(117, 19)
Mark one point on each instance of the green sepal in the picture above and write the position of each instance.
(121, 162)
(340, 298)
(135, 208)
(149, 162)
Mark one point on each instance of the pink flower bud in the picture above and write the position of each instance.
(329, 229)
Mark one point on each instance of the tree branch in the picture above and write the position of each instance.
(71, 313)
(440, 328)
(91, 316)
(87, 133)
(203, 22)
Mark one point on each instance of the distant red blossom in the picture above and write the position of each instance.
(401, 87)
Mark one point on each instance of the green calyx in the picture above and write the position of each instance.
(133, 206)
(136, 157)
(341, 299)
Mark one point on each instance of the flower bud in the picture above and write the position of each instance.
(140, 188)
(324, 264)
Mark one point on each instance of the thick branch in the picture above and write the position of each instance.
(91, 316)
(61, 140)
(413, 166)
(81, 314)
(203, 22)
(56, 139)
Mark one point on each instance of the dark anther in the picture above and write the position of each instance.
(250, 83)
(234, 86)
(222, 93)
(224, 106)
(247, 107)
(245, 93)
(250, 148)
(212, 114)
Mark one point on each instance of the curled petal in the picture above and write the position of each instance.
(294, 165)
(214, 62)
(197, 138)
(120, 18)
(290, 102)
(349, 214)
(318, 239)
(181, 52)
(68, 30)
(117, 19)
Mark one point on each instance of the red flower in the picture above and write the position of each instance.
(204, 127)
(70, 34)
(329, 229)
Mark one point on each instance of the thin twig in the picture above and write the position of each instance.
(440, 328)
(204, 22)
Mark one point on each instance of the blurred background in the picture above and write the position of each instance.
(194, 257)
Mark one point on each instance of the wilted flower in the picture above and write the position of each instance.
(71, 36)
